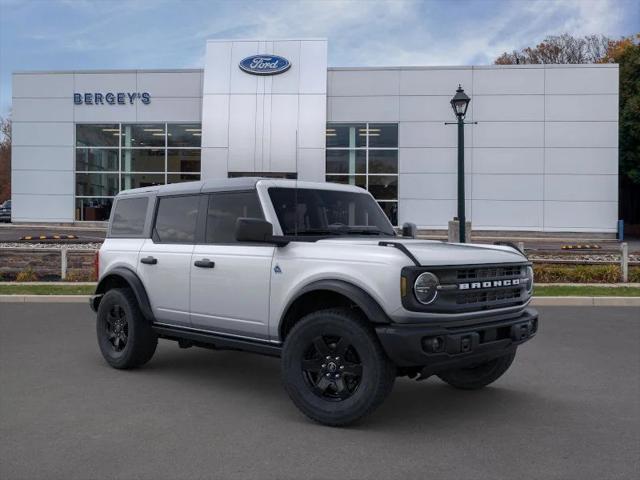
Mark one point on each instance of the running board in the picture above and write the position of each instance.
(217, 341)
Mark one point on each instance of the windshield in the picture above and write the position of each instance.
(307, 211)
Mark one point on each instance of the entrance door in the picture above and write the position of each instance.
(164, 262)
(230, 280)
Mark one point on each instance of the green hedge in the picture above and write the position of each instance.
(546, 273)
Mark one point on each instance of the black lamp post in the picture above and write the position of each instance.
(460, 103)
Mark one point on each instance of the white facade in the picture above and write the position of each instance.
(543, 155)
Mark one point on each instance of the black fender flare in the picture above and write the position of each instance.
(369, 306)
(134, 283)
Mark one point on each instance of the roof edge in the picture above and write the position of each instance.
(105, 71)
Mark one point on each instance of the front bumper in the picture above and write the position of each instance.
(440, 347)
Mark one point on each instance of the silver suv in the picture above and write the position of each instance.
(313, 273)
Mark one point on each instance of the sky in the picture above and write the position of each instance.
(110, 34)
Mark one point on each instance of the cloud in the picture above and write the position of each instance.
(87, 34)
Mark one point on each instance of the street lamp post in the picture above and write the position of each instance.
(460, 103)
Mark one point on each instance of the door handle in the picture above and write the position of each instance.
(204, 263)
(149, 260)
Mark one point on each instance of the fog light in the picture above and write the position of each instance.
(433, 344)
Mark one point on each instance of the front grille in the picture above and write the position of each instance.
(472, 288)
(489, 273)
(489, 296)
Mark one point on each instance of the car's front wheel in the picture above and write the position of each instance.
(478, 376)
(125, 338)
(334, 368)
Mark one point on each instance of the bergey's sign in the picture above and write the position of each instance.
(110, 98)
(265, 64)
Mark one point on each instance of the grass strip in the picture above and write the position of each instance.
(47, 289)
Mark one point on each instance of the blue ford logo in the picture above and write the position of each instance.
(265, 64)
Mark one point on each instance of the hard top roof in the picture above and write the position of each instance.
(229, 184)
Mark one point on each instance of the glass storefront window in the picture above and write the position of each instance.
(96, 160)
(93, 209)
(357, 180)
(366, 155)
(346, 136)
(383, 161)
(143, 135)
(137, 180)
(182, 177)
(183, 160)
(184, 135)
(148, 154)
(383, 187)
(102, 135)
(383, 135)
(142, 160)
(96, 184)
(346, 161)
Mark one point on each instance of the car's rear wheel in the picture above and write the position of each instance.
(478, 376)
(125, 338)
(334, 369)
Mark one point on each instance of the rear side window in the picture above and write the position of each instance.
(176, 219)
(129, 216)
(223, 211)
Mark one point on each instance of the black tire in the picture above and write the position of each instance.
(125, 338)
(478, 376)
(365, 375)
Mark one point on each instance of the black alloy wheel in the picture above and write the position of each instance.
(117, 327)
(126, 339)
(332, 367)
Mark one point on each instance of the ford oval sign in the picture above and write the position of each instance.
(265, 64)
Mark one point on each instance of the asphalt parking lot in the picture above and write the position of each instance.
(568, 408)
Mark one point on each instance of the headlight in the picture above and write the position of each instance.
(426, 288)
(529, 279)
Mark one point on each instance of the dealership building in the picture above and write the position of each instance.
(541, 145)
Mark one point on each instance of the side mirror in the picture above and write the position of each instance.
(409, 230)
(256, 230)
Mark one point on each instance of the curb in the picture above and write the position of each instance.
(45, 299)
(536, 301)
(585, 301)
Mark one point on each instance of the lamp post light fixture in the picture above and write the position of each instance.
(460, 103)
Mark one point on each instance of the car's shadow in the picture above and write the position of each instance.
(428, 404)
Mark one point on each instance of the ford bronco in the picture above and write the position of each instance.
(313, 273)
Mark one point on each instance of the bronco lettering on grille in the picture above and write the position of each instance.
(491, 284)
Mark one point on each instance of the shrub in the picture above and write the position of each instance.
(27, 275)
(545, 273)
(80, 276)
(634, 274)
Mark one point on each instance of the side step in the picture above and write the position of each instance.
(213, 340)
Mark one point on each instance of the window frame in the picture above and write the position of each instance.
(144, 233)
(205, 215)
(198, 230)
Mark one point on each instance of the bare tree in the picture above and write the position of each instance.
(5, 158)
(563, 48)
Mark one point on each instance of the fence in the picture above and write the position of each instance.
(47, 263)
